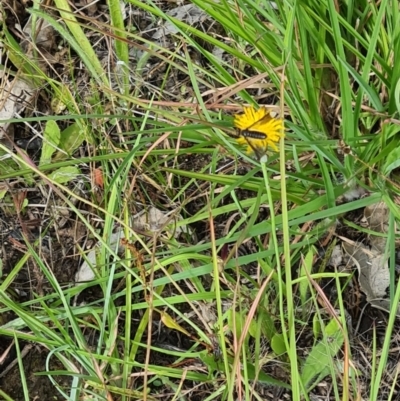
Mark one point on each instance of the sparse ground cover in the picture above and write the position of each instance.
(153, 247)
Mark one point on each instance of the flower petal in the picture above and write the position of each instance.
(259, 121)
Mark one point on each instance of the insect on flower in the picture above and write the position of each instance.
(257, 130)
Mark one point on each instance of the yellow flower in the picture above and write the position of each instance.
(257, 130)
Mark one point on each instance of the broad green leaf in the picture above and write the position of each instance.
(236, 322)
(263, 377)
(51, 139)
(316, 326)
(278, 344)
(70, 140)
(268, 326)
(318, 362)
(64, 174)
(253, 328)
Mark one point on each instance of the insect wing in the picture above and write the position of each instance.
(259, 151)
(260, 124)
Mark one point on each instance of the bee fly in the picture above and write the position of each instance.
(248, 134)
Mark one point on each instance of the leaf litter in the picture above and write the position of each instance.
(372, 261)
